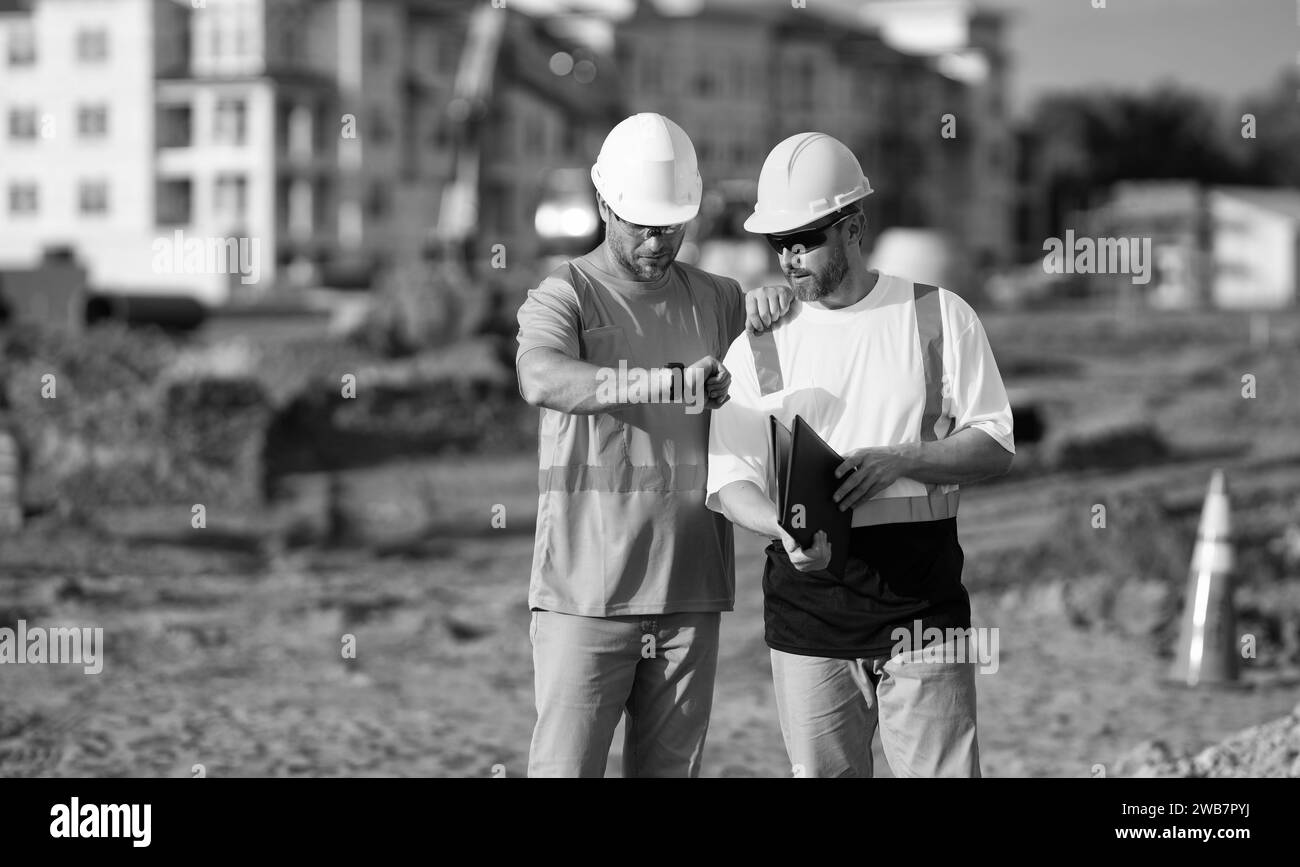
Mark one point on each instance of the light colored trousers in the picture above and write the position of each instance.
(830, 709)
(588, 671)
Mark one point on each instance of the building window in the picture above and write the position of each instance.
(175, 126)
(325, 129)
(378, 202)
(243, 39)
(324, 207)
(92, 121)
(288, 47)
(22, 45)
(232, 196)
(93, 197)
(24, 199)
(232, 121)
(173, 202)
(376, 47)
(300, 130)
(22, 123)
(92, 45)
(381, 131)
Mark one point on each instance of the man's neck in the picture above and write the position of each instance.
(855, 286)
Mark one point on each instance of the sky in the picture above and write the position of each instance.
(1224, 47)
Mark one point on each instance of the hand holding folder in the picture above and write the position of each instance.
(806, 484)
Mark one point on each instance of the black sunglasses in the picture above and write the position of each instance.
(808, 239)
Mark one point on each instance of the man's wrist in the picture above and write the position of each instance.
(907, 456)
(773, 527)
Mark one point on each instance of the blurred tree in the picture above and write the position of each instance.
(1083, 143)
(1272, 158)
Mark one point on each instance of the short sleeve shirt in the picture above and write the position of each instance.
(622, 527)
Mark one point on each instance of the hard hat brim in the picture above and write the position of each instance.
(785, 222)
(768, 223)
(655, 215)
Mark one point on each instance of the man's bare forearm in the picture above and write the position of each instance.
(964, 457)
(553, 380)
(745, 505)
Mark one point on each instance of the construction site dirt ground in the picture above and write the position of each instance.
(224, 652)
(243, 674)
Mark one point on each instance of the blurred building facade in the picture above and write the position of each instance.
(346, 136)
(740, 78)
(327, 130)
(77, 160)
(1256, 247)
(1228, 247)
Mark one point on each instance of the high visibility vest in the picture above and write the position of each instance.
(622, 525)
(600, 452)
(939, 501)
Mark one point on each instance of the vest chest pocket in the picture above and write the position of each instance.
(605, 346)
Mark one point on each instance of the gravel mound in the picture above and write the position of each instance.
(1268, 750)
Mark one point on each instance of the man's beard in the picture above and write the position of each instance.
(823, 282)
(642, 269)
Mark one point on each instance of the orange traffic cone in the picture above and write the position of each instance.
(1207, 642)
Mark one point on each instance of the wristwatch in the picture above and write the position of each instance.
(673, 396)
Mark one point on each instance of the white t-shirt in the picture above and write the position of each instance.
(856, 375)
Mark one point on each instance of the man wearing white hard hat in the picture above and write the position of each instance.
(619, 348)
(899, 379)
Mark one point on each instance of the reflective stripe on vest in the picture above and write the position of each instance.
(936, 504)
(767, 364)
(897, 510)
(929, 328)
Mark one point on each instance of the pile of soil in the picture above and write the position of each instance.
(1268, 750)
(135, 417)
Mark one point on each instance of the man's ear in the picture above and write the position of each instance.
(603, 207)
(858, 226)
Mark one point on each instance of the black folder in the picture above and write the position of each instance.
(805, 476)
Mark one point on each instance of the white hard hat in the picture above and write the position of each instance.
(805, 178)
(647, 173)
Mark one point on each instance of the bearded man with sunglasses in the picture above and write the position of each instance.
(897, 377)
(619, 348)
